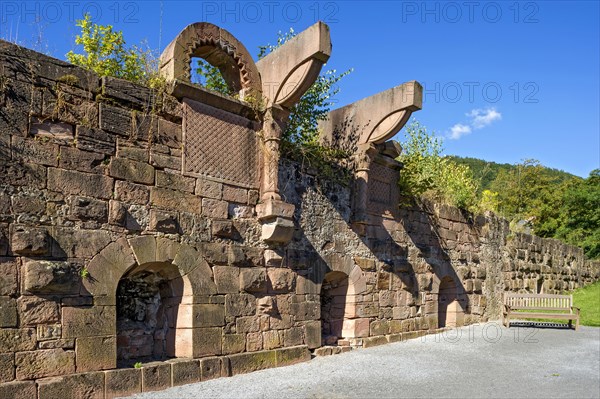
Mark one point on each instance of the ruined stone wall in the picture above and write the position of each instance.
(112, 252)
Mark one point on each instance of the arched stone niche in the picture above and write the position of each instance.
(179, 273)
(220, 49)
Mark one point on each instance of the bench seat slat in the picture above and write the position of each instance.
(542, 315)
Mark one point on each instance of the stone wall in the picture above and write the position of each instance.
(116, 247)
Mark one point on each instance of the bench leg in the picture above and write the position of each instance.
(571, 324)
(577, 324)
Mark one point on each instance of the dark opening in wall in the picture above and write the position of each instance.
(334, 293)
(150, 316)
(450, 311)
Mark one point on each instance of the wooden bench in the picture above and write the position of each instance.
(536, 306)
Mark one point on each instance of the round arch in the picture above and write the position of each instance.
(220, 49)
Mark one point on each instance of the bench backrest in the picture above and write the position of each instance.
(538, 301)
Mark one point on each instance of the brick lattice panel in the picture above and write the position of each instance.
(219, 145)
(383, 189)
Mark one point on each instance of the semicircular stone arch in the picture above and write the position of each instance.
(179, 273)
(220, 49)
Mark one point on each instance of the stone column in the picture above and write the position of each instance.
(274, 214)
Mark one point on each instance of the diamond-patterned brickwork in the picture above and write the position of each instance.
(382, 188)
(220, 145)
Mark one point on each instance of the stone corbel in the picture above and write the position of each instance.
(287, 73)
(374, 119)
(290, 70)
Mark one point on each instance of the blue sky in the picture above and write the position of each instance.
(504, 80)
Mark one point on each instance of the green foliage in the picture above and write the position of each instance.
(106, 53)
(579, 218)
(426, 173)
(588, 300)
(138, 365)
(485, 172)
(210, 77)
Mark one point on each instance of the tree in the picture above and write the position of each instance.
(580, 215)
(106, 53)
(426, 173)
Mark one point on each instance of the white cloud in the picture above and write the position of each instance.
(481, 118)
(459, 130)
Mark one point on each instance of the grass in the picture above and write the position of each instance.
(588, 300)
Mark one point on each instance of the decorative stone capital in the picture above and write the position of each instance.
(276, 219)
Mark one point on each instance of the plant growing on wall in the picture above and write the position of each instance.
(106, 53)
(427, 173)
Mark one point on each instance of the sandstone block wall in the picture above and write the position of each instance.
(113, 252)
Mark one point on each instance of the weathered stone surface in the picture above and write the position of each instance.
(89, 209)
(223, 228)
(144, 249)
(34, 310)
(292, 355)
(44, 363)
(207, 341)
(209, 189)
(175, 200)
(115, 120)
(122, 382)
(17, 339)
(88, 322)
(175, 181)
(127, 169)
(78, 183)
(132, 193)
(214, 208)
(57, 343)
(209, 315)
(34, 151)
(7, 368)
(77, 386)
(95, 353)
(18, 390)
(28, 204)
(210, 368)
(233, 343)
(95, 140)
(253, 280)
(165, 222)
(227, 279)
(240, 305)
(77, 243)
(165, 161)
(23, 174)
(281, 280)
(235, 194)
(293, 336)
(8, 312)
(156, 376)
(83, 161)
(248, 362)
(50, 277)
(313, 334)
(169, 133)
(139, 96)
(185, 371)
(30, 241)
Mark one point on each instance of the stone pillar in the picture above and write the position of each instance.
(274, 214)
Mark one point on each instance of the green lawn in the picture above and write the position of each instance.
(588, 300)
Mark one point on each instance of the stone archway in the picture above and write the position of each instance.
(334, 297)
(450, 312)
(152, 321)
(220, 49)
(172, 274)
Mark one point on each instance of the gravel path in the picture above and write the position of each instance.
(478, 361)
